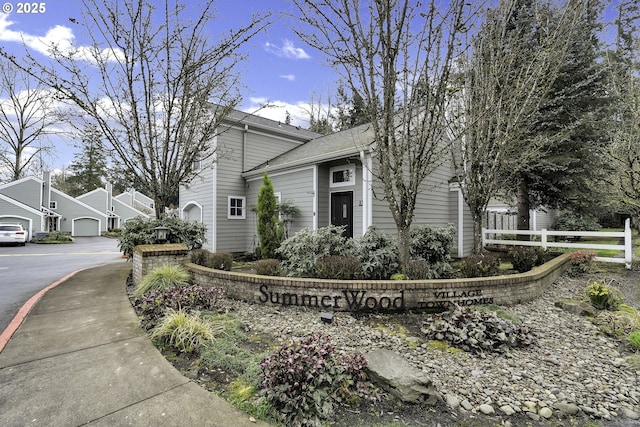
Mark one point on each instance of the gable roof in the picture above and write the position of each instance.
(334, 146)
(21, 205)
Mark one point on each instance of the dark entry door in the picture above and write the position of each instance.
(342, 211)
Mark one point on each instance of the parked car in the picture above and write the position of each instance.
(13, 233)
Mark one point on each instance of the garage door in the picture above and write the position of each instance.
(13, 220)
(84, 227)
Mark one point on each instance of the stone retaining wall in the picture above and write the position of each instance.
(383, 295)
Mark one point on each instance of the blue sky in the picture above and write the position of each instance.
(280, 69)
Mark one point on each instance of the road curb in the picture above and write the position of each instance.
(22, 313)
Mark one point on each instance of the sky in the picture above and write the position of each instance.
(281, 69)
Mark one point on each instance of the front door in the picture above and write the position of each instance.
(342, 211)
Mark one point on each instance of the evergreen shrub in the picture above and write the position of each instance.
(220, 261)
(267, 267)
(300, 252)
(480, 265)
(432, 244)
(338, 267)
(378, 253)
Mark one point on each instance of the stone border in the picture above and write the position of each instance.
(383, 295)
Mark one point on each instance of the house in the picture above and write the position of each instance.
(138, 201)
(503, 215)
(57, 211)
(217, 197)
(327, 177)
(117, 211)
(39, 207)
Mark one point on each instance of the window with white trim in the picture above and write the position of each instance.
(53, 204)
(342, 176)
(236, 207)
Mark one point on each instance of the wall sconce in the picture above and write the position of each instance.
(360, 203)
(161, 234)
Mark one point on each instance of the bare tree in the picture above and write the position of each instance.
(26, 119)
(501, 88)
(154, 82)
(398, 56)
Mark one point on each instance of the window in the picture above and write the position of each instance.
(236, 208)
(342, 176)
(197, 164)
(53, 204)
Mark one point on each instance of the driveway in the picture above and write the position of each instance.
(25, 270)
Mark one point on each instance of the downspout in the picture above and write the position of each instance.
(315, 197)
(367, 196)
(244, 147)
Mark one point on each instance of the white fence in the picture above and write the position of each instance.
(545, 243)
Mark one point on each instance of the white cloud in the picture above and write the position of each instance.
(58, 38)
(290, 77)
(277, 110)
(287, 50)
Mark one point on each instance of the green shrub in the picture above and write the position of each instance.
(230, 353)
(304, 380)
(432, 244)
(162, 277)
(570, 221)
(378, 253)
(604, 297)
(199, 256)
(634, 339)
(618, 323)
(476, 331)
(220, 261)
(270, 229)
(580, 262)
(267, 267)
(185, 332)
(152, 305)
(524, 259)
(338, 267)
(140, 231)
(480, 265)
(56, 237)
(422, 270)
(300, 252)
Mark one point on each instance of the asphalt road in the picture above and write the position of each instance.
(25, 270)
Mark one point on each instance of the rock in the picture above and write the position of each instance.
(486, 409)
(452, 401)
(545, 413)
(393, 373)
(507, 410)
(580, 308)
(628, 413)
(567, 408)
(466, 405)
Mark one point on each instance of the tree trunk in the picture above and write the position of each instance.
(524, 206)
(477, 233)
(404, 246)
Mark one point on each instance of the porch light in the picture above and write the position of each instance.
(161, 234)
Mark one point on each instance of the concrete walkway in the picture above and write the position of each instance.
(80, 357)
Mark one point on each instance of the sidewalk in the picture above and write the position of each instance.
(80, 358)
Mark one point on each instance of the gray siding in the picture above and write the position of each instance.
(200, 190)
(295, 186)
(97, 199)
(230, 233)
(261, 146)
(28, 192)
(71, 209)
